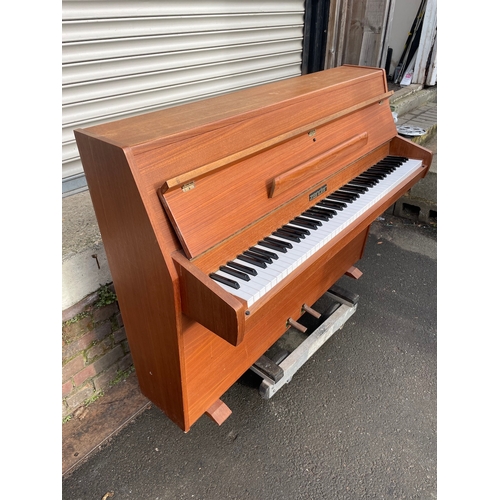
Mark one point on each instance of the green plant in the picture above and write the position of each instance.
(76, 318)
(93, 398)
(105, 296)
(122, 375)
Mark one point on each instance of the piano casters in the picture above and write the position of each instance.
(329, 315)
(219, 412)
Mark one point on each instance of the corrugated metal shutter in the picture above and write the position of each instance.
(122, 58)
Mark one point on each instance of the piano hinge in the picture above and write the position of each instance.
(188, 186)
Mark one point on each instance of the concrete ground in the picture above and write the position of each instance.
(358, 421)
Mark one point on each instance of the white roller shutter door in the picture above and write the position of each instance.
(128, 57)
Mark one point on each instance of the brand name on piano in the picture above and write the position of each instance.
(316, 193)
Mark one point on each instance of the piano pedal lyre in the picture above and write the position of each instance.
(337, 305)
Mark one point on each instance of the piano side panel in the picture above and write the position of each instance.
(223, 203)
(145, 287)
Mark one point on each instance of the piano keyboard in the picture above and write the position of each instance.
(256, 271)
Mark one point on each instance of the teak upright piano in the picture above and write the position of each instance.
(258, 182)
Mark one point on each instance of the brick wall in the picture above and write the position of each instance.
(95, 352)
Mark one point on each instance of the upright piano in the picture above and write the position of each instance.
(223, 219)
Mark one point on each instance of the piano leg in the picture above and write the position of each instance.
(353, 272)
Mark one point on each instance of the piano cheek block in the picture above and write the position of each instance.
(205, 302)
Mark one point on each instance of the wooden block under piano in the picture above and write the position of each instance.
(255, 182)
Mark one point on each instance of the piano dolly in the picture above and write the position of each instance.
(282, 361)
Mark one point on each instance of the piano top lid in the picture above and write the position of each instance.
(177, 121)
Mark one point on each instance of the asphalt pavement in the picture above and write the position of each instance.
(358, 420)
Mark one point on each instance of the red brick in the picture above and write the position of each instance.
(67, 387)
(102, 381)
(72, 367)
(84, 342)
(119, 319)
(125, 363)
(108, 359)
(84, 375)
(119, 335)
(100, 348)
(72, 331)
(103, 330)
(105, 312)
(80, 396)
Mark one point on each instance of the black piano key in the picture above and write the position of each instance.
(308, 223)
(273, 246)
(302, 230)
(382, 172)
(340, 197)
(260, 251)
(370, 178)
(365, 182)
(392, 161)
(360, 186)
(345, 191)
(388, 166)
(286, 236)
(370, 175)
(313, 218)
(298, 231)
(318, 214)
(242, 268)
(252, 260)
(262, 258)
(331, 204)
(356, 189)
(394, 157)
(278, 242)
(235, 273)
(331, 211)
(226, 281)
(319, 211)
